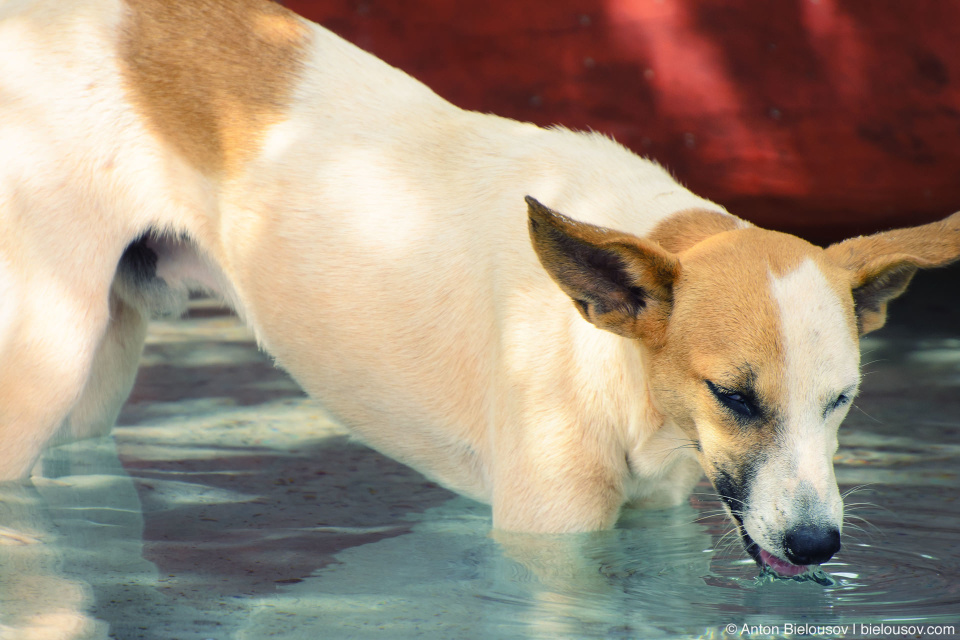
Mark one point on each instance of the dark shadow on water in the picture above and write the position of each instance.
(280, 517)
(251, 384)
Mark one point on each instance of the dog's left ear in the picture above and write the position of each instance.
(617, 281)
(882, 265)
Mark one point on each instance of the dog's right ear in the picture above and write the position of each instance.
(617, 281)
(882, 265)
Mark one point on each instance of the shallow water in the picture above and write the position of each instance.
(227, 506)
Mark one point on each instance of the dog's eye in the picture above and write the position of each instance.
(836, 403)
(738, 403)
(841, 400)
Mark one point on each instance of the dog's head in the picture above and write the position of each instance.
(751, 340)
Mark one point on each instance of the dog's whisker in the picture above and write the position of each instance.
(848, 518)
(856, 489)
(854, 506)
(731, 534)
(729, 544)
(865, 506)
(860, 409)
(709, 516)
(718, 497)
(859, 530)
(707, 494)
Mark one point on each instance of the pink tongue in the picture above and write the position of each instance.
(782, 567)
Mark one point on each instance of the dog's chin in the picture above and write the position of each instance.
(767, 560)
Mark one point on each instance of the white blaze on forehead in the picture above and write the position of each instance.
(822, 354)
(822, 360)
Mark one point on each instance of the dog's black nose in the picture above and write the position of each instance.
(810, 544)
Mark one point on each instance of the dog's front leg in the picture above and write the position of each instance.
(556, 478)
(538, 502)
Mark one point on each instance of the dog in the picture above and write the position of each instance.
(413, 267)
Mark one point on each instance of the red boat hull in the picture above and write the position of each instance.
(818, 117)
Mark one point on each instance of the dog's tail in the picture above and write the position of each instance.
(137, 283)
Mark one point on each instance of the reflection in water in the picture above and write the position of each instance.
(36, 598)
(228, 506)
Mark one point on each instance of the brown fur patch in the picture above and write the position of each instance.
(725, 325)
(211, 75)
(682, 230)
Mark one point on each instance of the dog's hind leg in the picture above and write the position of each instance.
(51, 324)
(70, 340)
(136, 295)
(112, 373)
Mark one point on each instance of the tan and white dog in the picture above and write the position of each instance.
(377, 241)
